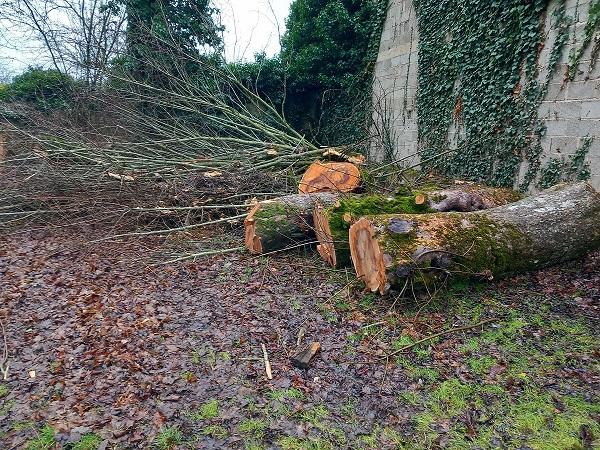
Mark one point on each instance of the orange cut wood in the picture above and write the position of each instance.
(253, 242)
(3, 149)
(332, 176)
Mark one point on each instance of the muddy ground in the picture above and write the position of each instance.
(108, 352)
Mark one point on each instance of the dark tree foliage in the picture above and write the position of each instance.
(325, 67)
(188, 26)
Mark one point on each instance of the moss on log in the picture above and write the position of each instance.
(332, 224)
(284, 222)
(559, 224)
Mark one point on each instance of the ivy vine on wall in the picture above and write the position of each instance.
(573, 167)
(593, 21)
(480, 87)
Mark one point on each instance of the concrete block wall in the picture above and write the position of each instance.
(571, 111)
(396, 81)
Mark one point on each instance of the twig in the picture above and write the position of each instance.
(441, 333)
(267, 363)
(4, 361)
(194, 256)
(301, 333)
(376, 324)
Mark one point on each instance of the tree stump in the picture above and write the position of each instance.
(330, 177)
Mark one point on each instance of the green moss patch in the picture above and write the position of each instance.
(351, 209)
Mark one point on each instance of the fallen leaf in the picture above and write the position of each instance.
(116, 176)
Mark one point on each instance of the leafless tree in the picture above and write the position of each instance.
(79, 37)
(5, 73)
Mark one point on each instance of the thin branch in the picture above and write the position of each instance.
(442, 333)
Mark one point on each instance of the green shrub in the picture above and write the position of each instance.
(3, 92)
(47, 89)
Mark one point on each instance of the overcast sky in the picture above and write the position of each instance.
(252, 26)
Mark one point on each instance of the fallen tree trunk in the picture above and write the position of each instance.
(276, 224)
(559, 224)
(332, 223)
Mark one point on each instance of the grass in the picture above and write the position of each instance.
(168, 438)
(285, 394)
(45, 440)
(471, 346)
(451, 397)
(481, 365)
(3, 390)
(253, 427)
(20, 426)
(207, 411)
(349, 408)
(215, 432)
(189, 377)
(6, 407)
(509, 409)
(294, 443)
(410, 398)
(87, 442)
(314, 415)
(209, 356)
(425, 374)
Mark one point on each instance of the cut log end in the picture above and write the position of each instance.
(253, 242)
(326, 247)
(420, 199)
(367, 256)
(334, 177)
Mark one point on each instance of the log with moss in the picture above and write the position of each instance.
(557, 225)
(284, 222)
(333, 223)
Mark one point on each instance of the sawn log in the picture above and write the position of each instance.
(559, 224)
(333, 223)
(284, 222)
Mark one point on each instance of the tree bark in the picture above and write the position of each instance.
(560, 224)
(284, 222)
(333, 223)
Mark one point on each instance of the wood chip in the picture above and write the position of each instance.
(359, 160)
(303, 358)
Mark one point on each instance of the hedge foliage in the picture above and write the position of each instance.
(46, 89)
(322, 77)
